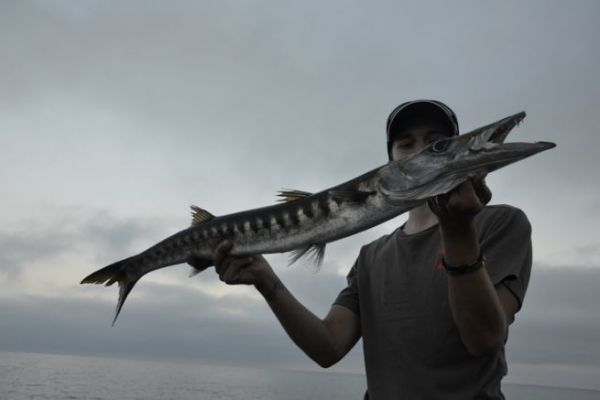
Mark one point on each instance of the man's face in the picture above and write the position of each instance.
(415, 136)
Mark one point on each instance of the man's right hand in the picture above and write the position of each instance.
(246, 270)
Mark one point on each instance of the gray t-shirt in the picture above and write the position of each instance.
(399, 289)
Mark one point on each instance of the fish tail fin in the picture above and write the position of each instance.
(117, 272)
(125, 287)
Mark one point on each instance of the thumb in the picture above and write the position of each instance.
(481, 189)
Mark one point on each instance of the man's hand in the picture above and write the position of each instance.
(455, 211)
(458, 207)
(248, 270)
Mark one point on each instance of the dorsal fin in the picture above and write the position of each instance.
(287, 195)
(200, 215)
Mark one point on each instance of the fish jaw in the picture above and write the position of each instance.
(445, 164)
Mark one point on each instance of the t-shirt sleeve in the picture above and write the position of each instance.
(348, 297)
(506, 245)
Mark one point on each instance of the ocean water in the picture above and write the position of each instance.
(62, 377)
(49, 377)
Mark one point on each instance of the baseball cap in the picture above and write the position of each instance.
(410, 110)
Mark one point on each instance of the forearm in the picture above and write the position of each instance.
(474, 302)
(308, 331)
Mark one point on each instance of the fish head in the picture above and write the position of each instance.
(444, 164)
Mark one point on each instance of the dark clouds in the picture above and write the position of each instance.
(64, 231)
(560, 319)
(559, 324)
(158, 321)
(176, 318)
(16, 250)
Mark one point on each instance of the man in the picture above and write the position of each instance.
(432, 300)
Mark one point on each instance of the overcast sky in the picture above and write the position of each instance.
(116, 116)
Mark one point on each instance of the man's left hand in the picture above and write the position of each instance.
(458, 207)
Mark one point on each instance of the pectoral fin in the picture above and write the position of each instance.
(315, 252)
(198, 264)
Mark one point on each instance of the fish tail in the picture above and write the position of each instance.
(119, 272)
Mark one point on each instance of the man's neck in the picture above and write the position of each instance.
(419, 219)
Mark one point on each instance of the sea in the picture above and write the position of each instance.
(63, 377)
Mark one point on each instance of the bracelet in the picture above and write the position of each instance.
(464, 269)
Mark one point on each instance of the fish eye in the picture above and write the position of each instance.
(440, 145)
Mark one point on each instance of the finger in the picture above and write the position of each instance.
(482, 190)
(442, 201)
(461, 198)
(435, 204)
(480, 176)
(484, 193)
(232, 273)
(222, 266)
(222, 251)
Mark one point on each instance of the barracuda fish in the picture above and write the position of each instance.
(304, 223)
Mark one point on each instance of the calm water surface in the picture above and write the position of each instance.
(44, 376)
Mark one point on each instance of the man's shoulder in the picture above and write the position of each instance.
(499, 215)
(501, 211)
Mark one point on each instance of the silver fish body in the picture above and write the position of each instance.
(292, 226)
(305, 222)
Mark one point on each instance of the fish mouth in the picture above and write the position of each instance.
(487, 150)
(491, 139)
(502, 154)
(507, 153)
(505, 126)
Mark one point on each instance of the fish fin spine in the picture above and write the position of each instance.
(314, 252)
(200, 215)
(287, 195)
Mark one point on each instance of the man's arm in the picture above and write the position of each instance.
(480, 310)
(326, 341)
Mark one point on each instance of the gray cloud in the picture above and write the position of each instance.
(63, 230)
(589, 252)
(16, 250)
(184, 97)
(560, 320)
(158, 321)
(559, 323)
(180, 69)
